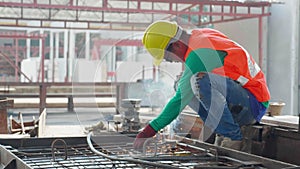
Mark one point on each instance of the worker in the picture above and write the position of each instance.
(220, 81)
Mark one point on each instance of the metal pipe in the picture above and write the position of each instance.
(17, 60)
(260, 42)
(88, 138)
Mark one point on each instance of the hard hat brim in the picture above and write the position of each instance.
(157, 62)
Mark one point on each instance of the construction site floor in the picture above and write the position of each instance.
(60, 122)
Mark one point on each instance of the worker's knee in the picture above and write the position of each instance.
(195, 83)
(200, 75)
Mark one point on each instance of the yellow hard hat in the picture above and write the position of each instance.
(158, 36)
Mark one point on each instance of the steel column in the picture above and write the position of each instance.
(260, 42)
(17, 60)
(43, 91)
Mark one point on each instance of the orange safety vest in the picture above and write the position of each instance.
(238, 64)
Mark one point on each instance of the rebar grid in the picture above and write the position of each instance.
(117, 154)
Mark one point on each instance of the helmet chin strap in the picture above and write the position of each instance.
(176, 37)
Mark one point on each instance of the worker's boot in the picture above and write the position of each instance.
(232, 144)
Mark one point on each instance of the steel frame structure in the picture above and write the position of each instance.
(132, 15)
(10, 50)
(124, 14)
(41, 72)
(21, 35)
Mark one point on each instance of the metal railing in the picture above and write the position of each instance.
(63, 90)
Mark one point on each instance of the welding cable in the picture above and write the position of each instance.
(138, 161)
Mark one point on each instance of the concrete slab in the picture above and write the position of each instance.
(283, 120)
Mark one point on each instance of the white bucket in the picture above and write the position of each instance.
(275, 108)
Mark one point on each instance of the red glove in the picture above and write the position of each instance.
(147, 132)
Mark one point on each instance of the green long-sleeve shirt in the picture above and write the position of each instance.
(200, 60)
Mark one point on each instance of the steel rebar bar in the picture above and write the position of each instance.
(138, 161)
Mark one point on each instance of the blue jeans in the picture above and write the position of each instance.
(223, 105)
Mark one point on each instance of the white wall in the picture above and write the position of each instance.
(31, 69)
(89, 71)
(283, 54)
(130, 71)
(244, 32)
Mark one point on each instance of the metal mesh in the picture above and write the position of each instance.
(168, 153)
(79, 156)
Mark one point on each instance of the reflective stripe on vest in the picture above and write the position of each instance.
(253, 68)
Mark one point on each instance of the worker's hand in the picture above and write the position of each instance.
(147, 132)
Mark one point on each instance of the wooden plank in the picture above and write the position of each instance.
(42, 123)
